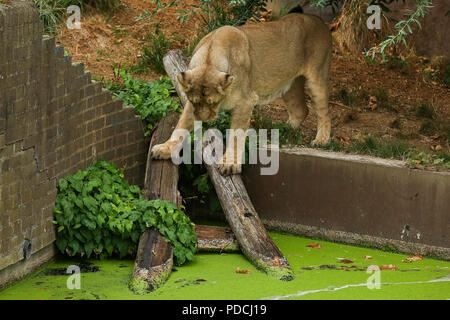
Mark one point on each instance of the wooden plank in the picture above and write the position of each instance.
(154, 259)
(253, 238)
(216, 239)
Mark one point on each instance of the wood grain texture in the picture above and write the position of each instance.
(216, 239)
(154, 259)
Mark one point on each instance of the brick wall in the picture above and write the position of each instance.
(53, 121)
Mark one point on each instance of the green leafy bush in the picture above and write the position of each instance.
(151, 100)
(98, 213)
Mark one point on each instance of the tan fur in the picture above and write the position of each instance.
(238, 68)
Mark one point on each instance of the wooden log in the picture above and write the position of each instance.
(253, 238)
(216, 239)
(174, 63)
(154, 259)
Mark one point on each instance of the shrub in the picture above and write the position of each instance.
(98, 212)
(151, 100)
(426, 111)
(154, 52)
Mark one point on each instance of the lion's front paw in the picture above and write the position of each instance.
(320, 141)
(161, 151)
(322, 138)
(226, 169)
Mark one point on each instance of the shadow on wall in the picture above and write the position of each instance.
(54, 121)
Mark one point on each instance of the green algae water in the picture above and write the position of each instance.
(319, 274)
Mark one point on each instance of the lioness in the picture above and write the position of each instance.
(237, 68)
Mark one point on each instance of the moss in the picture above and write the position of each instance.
(280, 273)
(139, 286)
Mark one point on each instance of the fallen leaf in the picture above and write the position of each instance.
(345, 261)
(437, 147)
(435, 137)
(373, 103)
(389, 267)
(242, 271)
(314, 245)
(413, 258)
(344, 140)
(367, 257)
(347, 268)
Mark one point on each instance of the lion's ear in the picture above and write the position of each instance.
(225, 81)
(185, 80)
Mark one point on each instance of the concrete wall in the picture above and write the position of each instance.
(355, 199)
(53, 121)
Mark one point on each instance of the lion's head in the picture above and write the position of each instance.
(205, 90)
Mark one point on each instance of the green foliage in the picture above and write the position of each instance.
(156, 48)
(195, 184)
(403, 27)
(215, 13)
(388, 149)
(160, 7)
(287, 134)
(399, 63)
(426, 159)
(98, 213)
(440, 72)
(392, 149)
(151, 100)
(426, 110)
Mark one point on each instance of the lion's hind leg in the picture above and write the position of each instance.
(318, 85)
(296, 103)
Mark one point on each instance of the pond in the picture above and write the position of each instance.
(328, 271)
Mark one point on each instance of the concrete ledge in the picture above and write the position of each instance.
(24, 267)
(358, 239)
(355, 199)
